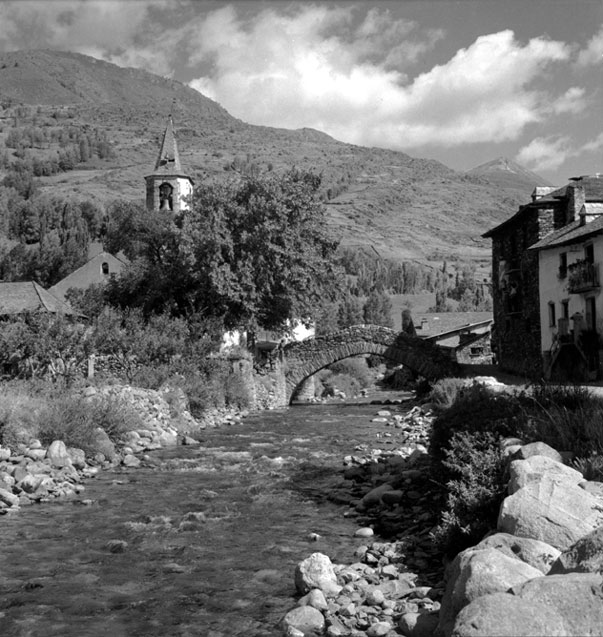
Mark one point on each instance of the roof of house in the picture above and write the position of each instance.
(28, 296)
(437, 323)
(572, 232)
(593, 193)
(88, 274)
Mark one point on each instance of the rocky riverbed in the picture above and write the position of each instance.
(394, 587)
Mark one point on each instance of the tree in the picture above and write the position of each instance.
(254, 251)
(378, 309)
(350, 311)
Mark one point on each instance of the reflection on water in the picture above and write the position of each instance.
(202, 544)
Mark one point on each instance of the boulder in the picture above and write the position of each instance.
(533, 468)
(306, 619)
(379, 629)
(577, 597)
(553, 511)
(77, 457)
(538, 554)
(478, 572)
(592, 487)
(504, 615)
(4, 453)
(538, 449)
(392, 497)
(316, 571)
(57, 454)
(585, 556)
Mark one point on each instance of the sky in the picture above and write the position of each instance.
(463, 82)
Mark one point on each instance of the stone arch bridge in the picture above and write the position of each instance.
(304, 358)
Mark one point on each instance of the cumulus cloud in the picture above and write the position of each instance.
(572, 101)
(593, 53)
(548, 153)
(117, 31)
(296, 70)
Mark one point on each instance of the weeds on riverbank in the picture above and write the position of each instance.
(465, 447)
(37, 411)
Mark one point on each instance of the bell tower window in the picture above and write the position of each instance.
(105, 268)
(166, 201)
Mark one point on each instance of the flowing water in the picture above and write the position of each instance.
(204, 543)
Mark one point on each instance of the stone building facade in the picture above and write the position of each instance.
(168, 187)
(515, 271)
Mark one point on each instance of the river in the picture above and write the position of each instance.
(203, 542)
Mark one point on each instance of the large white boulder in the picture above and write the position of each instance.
(533, 468)
(538, 554)
(316, 571)
(552, 510)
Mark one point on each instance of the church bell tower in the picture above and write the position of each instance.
(168, 186)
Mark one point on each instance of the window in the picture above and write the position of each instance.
(589, 253)
(563, 265)
(552, 317)
(105, 268)
(565, 309)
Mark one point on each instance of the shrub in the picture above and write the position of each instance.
(446, 391)
(20, 408)
(591, 467)
(74, 420)
(355, 367)
(476, 467)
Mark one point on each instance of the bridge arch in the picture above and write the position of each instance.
(303, 359)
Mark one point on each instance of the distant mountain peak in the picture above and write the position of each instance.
(508, 173)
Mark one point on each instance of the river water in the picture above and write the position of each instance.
(203, 543)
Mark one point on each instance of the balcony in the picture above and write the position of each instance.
(583, 277)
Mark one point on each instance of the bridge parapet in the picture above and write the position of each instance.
(305, 358)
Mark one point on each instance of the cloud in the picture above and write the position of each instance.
(548, 153)
(120, 32)
(593, 53)
(545, 153)
(312, 68)
(572, 101)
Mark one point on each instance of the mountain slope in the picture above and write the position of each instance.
(403, 207)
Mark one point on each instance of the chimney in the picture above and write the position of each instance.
(576, 198)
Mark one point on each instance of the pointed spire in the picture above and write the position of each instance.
(168, 160)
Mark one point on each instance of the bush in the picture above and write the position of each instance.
(446, 391)
(477, 485)
(355, 367)
(20, 408)
(74, 420)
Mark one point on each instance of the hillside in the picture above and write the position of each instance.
(399, 206)
(507, 173)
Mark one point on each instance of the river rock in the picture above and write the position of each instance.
(538, 554)
(103, 444)
(8, 498)
(593, 487)
(577, 597)
(373, 497)
(418, 624)
(538, 449)
(307, 619)
(77, 457)
(522, 472)
(4, 453)
(316, 571)
(505, 615)
(36, 454)
(131, 461)
(365, 531)
(168, 438)
(314, 598)
(585, 556)
(379, 629)
(58, 455)
(392, 497)
(553, 511)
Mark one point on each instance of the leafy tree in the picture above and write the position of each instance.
(350, 311)
(377, 309)
(254, 251)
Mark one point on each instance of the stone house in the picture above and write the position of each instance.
(99, 269)
(516, 270)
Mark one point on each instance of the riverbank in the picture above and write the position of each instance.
(31, 472)
(396, 584)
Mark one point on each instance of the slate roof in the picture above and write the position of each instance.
(168, 159)
(573, 232)
(21, 297)
(444, 322)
